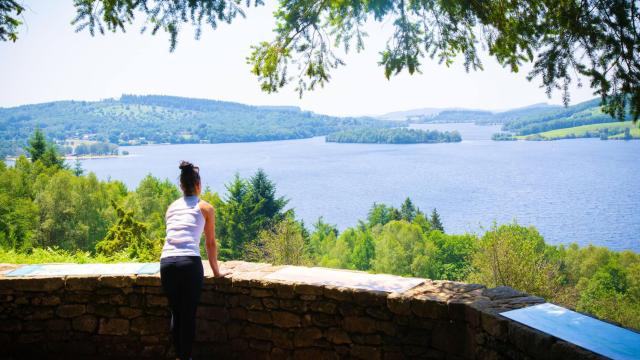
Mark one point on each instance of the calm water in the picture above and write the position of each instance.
(582, 191)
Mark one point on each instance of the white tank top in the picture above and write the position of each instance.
(185, 224)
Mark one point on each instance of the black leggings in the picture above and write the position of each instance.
(182, 278)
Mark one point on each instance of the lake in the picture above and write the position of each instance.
(582, 190)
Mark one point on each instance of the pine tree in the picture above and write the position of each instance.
(51, 157)
(77, 168)
(37, 145)
(262, 195)
(408, 210)
(436, 223)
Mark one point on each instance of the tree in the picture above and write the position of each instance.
(262, 194)
(436, 223)
(51, 158)
(515, 256)
(37, 145)
(592, 38)
(283, 244)
(408, 210)
(400, 249)
(77, 168)
(129, 235)
(380, 214)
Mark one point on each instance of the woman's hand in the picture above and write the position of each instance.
(220, 274)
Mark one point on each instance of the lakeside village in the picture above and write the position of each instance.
(93, 146)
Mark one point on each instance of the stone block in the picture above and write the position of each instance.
(39, 284)
(260, 345)
(157, 300)
(254, 331)
(285, 319)
(293, 305)
(149, 325)
(337, 293)
(314, 353)
(40, 314)
(270, 303)
(85, 323)
(116, 281)
(259, 317)
(365, 352)
(378, 312)
(129, 312)
(323, 306)
(81, 283)
(369, 297)
(213, 313)
(148, 280)
(367, 339)
(260, 293)
(398, 304)
(212, 298)
(113, 327)
(494, 324)
(306, 336)
(69, 311)
(323, 320)
(359, 324)
(387, 327)
(58, 325)
(338, 336)
(307, 289)
(102, 310)
(502, 292)
(529, 341)
(284, 290)
(430, 308)
(210, 331)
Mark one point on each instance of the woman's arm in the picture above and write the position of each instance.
(210, 237)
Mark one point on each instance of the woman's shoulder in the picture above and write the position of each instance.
(205, 207)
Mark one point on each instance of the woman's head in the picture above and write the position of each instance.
(189, 178)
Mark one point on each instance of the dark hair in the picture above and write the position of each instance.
(189, 177)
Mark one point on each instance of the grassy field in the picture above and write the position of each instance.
(616, 129)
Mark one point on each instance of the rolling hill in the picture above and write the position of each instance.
(167, 119)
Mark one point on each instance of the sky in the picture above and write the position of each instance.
(51, 62)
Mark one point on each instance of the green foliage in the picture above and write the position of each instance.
(134, 120)
(401, 249)
(436, 223)
(393, 136)
(250, 207)
(10, 10)
(283, 244)
(503, 137)
(130, 236)
(515, 256)
(37, 145)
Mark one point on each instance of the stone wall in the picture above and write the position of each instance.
(246, 316)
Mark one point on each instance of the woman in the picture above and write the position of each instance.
(180, 265)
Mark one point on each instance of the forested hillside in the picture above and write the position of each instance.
(586, 113)
(166, 119)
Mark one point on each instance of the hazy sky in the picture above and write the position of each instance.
(51, 62)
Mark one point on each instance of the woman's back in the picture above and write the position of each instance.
(185, 224)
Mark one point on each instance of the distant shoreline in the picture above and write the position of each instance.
(71, 157)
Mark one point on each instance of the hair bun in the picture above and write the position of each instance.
(185, 165)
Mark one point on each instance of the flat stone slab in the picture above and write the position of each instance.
(345, 278)
(592, 334)
(85, 269)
